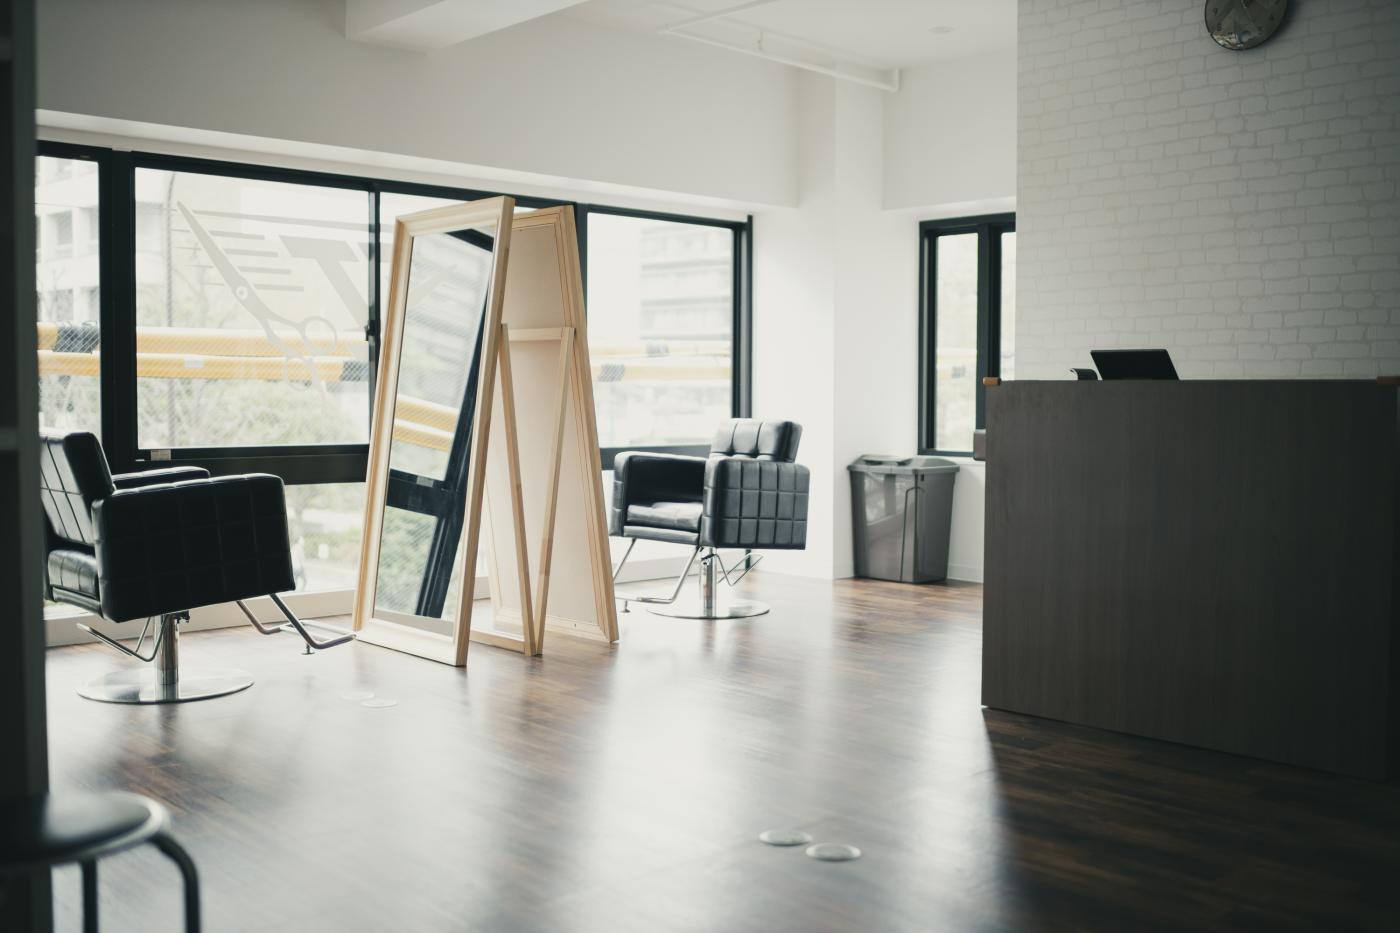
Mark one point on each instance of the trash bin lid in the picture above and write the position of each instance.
(901, 466)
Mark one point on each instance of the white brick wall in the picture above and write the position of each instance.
(1241, 209)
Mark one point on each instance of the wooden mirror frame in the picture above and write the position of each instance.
(449, 649)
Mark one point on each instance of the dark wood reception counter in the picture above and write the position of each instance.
(1205, 562)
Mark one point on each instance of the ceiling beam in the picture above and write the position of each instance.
(429, 25)
(719, 28)
(717, 14)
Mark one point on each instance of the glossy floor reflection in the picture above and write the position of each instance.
(624, 788)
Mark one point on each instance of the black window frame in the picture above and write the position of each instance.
(741, 293)
(313, 463)
(989, 228)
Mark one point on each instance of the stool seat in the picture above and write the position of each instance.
(75, 827)
(39, 832)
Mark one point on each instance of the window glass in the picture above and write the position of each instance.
(955, 354)
(660, 329)
(1008, 305)
(60, 308)
(90, 229)
(52, 169)
(67, 284)
(323, 524)
(251, 306)
(59, 237)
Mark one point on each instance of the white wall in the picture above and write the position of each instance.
(965, 552)
(1238, 208)
(557, 97)
(950, 136)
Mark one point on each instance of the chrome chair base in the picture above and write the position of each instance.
(165, 681)
(696, 609)
(706, 604)
(139, 685)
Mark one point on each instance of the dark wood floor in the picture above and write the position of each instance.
(622, 789)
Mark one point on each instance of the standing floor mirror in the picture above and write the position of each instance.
(432, 420)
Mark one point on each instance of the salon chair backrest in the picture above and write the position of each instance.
(73, 474)
(757, 440)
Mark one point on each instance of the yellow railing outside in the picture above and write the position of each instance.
(197, 366)
(228, 342)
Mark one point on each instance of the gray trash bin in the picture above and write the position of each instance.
(902, 508)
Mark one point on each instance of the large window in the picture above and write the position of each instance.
(227, 316)
(664, 301)
(252, 299)
(968, 275)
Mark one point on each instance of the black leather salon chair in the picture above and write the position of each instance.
(154, 545)
(747, 494)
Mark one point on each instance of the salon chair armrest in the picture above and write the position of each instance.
(754, 504)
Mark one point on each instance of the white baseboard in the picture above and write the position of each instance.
(965, 573)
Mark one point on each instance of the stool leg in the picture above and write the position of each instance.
(89, 897)
(177, 854)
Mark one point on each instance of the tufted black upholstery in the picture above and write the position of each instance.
(754, 504)
(73, 578)
(645, 482)
(682, 516)
(747, 494)
(73, 475)
(146, 544)
(757, 440)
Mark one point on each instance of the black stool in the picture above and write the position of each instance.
(39, 832)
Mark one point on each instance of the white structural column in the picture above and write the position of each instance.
(835, 283)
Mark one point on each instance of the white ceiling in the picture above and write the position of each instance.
(881, 34)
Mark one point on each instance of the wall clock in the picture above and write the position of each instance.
(1243, 24)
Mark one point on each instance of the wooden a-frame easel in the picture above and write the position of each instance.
(549, 560)
(535, 461)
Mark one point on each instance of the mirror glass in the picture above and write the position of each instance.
(420, 542)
